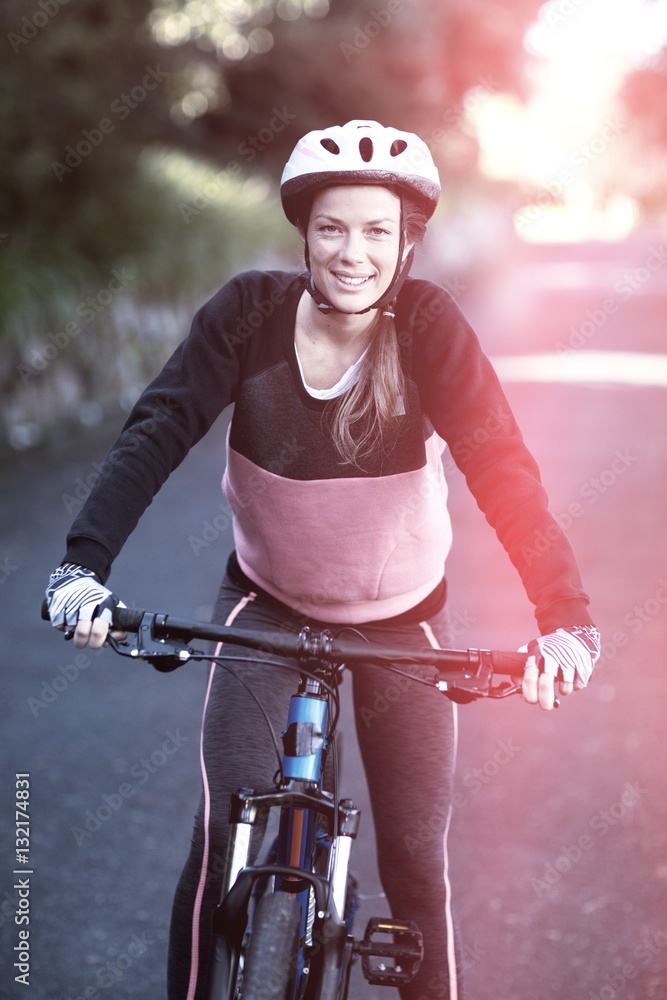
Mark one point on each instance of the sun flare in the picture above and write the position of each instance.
(565, 145)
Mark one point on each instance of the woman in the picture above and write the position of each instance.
(347, 383)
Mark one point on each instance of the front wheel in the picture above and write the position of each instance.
(271, 958)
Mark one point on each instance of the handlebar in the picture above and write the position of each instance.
(312, 645)
(162, 640)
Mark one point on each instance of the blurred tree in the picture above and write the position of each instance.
(70, 134)
(92, 86)
(409, 62)
(122, 74)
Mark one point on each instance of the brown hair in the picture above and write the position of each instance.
(365, 415)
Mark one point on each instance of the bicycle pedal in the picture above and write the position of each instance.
(391, 951)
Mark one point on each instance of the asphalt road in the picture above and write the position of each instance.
(558, 845)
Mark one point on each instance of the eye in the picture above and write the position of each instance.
(379, 231)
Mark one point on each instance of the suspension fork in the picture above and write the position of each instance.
(304, 748)
(304, 751)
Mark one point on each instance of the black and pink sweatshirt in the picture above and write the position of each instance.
(338, 543)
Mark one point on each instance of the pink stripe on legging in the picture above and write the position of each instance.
(194, 956)
(451, 954)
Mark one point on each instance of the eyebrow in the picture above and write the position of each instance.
(340, 222)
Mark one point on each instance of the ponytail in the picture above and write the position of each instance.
(365, 416)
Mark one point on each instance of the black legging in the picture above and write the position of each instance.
(407, 736)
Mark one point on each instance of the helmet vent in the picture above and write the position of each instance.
(366, 149)
(398, 146)
(330, 146)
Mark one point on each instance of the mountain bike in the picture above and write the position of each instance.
(283, 929)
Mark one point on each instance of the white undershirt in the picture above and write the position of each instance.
(345, 382)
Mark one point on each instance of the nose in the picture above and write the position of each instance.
(352, 248)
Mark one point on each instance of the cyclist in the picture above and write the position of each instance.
(348, 381)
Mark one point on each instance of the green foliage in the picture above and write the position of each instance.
(73, 331)
(89, 89)
(187, 228)
(100, 95)
(66, 225)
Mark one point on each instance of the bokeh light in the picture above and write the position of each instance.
(565, 143)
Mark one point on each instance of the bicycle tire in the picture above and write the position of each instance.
(269, 965)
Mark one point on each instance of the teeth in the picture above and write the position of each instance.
(351, 281)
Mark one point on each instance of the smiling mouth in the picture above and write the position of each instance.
(353, 282)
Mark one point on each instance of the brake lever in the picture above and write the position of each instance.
(505, 689)
(479, 683)
(165, 655)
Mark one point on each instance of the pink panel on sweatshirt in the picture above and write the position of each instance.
(342, 550)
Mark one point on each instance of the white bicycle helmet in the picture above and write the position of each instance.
(361, 152)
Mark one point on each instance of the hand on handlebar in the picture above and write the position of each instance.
(77, 600)
(567, 655)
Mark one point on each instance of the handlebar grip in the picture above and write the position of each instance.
(124, 619)
(127, 619)
(508, 663)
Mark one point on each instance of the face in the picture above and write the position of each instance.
(353, 239)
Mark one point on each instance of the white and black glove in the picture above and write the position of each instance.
(567, 655)
(75, 598)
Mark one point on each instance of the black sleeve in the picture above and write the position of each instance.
(172, 414)
(468, 408)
